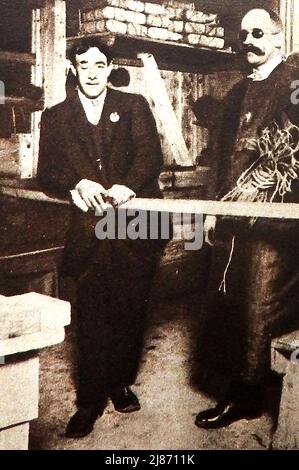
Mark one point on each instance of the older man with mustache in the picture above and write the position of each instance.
(261, 280)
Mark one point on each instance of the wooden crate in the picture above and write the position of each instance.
(16, 156)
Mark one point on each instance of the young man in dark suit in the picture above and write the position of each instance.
(103, 143)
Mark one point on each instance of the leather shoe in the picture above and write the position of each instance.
(124, 400)
(82, 422)
(226, 413)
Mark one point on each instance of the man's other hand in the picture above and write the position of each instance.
(209, 229)
(92, 194)
(119, 194)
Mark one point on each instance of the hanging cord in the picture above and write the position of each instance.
(14, 120)
(222, 286)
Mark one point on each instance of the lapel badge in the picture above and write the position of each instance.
(248, 117)
(114, 117)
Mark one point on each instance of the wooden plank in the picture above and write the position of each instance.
(28, 194)
(191, 179)
(173, 84)
(194, 135)
(171, 131)
(286, 435)
(22, 57)
(18, 323)
(30, 342)
(15, 437)
(287, 15)
(32, 105)
(53, 43)
(28, 225)
(31, 313)
(296, 28)
(38, 261)
(163, 65)
(269, 210)
(183, 88)
(37, 80)
(182, 54)
(19, 388)
(31, 253)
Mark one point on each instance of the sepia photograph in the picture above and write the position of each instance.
(149, 227)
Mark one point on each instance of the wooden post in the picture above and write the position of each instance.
(287, 16)
(296, 28)
(171, 130)
(49, 47)
(36, 79)
(53, 49)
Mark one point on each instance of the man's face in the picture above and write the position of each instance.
(92, 72)
(258, 38)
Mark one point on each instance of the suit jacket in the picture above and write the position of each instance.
(250, 107)
(130, 153)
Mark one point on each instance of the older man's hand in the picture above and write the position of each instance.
(209, 229)
(119, 194)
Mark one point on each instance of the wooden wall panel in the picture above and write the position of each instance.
(296, 27)
(289, 10)
(192, 90)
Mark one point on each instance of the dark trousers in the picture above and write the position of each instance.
(113, 295)
(261, 299)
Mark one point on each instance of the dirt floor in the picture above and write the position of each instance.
(169, 400)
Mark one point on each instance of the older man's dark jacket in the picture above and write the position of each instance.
(260, 267)
(249, 108)
(127, 143)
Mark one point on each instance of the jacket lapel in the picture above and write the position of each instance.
(82, 137)
(112, 113)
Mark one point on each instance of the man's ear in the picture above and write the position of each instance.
(278, 39)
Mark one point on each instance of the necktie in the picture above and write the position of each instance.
(95, 103)
(95, 111)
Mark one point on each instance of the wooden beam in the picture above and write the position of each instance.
(30, 194)
(269, 210)
(287, 16)
(169, 55)
(30, 262)
(172, 138)
(27, 319)
(20, 57)
(53, 47)
(32, 105)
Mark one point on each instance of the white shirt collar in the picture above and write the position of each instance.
(263, 71)
(93, 107)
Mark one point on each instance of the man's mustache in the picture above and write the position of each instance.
(253, 49)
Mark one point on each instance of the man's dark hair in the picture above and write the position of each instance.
(84, 44)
